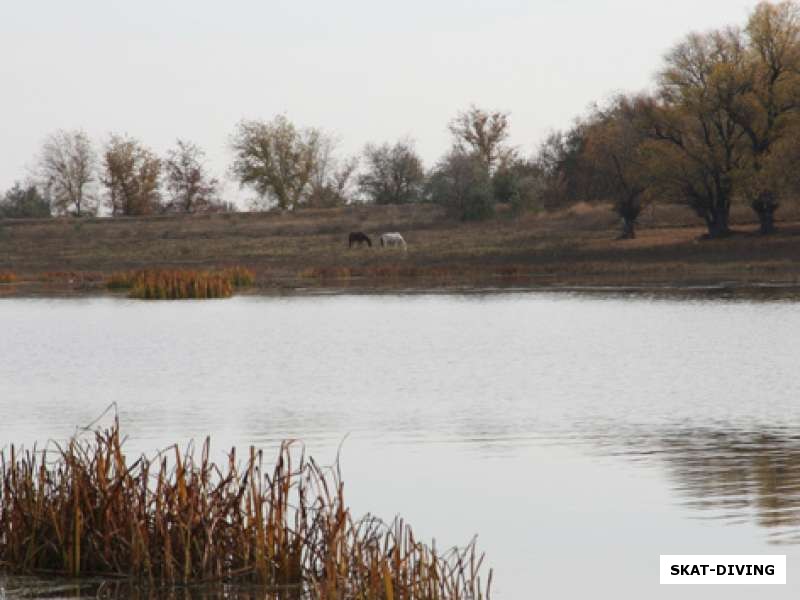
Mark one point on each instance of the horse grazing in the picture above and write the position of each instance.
(392, 239)
(358, 238)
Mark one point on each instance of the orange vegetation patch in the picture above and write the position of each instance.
(176, 284)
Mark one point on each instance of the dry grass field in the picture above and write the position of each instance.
(308, 249)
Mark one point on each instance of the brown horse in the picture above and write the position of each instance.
(358, 238)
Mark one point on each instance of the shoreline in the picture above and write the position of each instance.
(306, 252)
(722, 289)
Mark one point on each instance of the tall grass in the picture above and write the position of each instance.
(179, 518)
(166, 284)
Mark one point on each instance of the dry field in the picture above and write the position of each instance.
(308, 249)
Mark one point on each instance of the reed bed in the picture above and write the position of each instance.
(239, 276)
(175, 284)
(8, 277)
(178, 519)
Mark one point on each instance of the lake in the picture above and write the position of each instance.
(578, 436)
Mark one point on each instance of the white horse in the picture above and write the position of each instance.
(392, 239)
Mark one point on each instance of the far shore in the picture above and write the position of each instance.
(307, 251)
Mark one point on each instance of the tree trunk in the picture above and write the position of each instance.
(628, 229)
(717, 223)
(765, 206)
(629, 209)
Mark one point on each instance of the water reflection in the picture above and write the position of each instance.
(736, 476)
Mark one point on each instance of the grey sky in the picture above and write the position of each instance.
(368, 71)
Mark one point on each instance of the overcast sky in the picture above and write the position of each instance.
(366, 70)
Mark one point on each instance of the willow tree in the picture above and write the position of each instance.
(700, 145)
(768, 110)
(616, 152)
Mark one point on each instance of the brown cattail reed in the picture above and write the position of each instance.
(165, 284)
(83, 509)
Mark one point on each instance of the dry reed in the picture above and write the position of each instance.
(165, 284)
(239, 276)
(83, 509)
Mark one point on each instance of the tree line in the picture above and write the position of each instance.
(127, 178)
(720, 126)
(286, 166)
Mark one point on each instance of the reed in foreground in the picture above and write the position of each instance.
(178, 518)
(166, 284)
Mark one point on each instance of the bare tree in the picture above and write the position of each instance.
(484, 134)
(190, 187)
(332, 179)
(393, 175)
(276, 159)
(131, 176)
(66, 167)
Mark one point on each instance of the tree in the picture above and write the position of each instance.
(131, 174)
(561, 160)
(616, 152)
(519, 183)
(276, 159)
(67, 164)
(483, 134)
(700, 147)
(460, 183)
(191, 189)
(332, 180)
(24, 202)
(768, 111)
(394, 174)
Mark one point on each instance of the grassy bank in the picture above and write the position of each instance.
(308, 249)
(178, 519)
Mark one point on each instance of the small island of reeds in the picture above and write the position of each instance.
(178, 518)
(177, 284)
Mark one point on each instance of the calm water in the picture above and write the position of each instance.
(580, 437)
